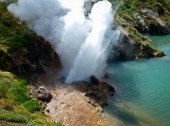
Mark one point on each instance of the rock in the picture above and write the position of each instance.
(94, 80)
(48, 111)
(81, 85)
(30, 61)
(140, 23)
(127, 49)
(41, 94)
(149, 21)
(106, 75)
(157, 29)
(97, 91)
(99, 109)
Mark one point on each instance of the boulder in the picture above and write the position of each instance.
(94, 80)
(41, 94)
(98, 91)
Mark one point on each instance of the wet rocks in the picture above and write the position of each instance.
(98, 91)
(127, 49)
(94, 80)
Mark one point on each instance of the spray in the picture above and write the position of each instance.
(82, 42)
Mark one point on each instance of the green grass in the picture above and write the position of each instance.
(12, 117)
(32, 106)
(13, 89)
(13, 34)
(17, 106)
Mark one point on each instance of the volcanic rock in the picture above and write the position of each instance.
(99, 91)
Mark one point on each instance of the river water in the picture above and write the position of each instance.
(143, 88)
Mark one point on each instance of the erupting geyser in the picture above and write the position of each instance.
(81, 42)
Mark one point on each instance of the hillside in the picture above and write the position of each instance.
(24, 54)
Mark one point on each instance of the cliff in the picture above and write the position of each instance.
(137, 19)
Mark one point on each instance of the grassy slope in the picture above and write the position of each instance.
(13, 35)
(15, 103)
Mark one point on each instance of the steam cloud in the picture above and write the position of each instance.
(80, 41)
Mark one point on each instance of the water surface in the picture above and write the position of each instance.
(144, 85)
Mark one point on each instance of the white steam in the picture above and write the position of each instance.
(80, 41)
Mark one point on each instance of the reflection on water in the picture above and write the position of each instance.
(146, 84)
(130, 114)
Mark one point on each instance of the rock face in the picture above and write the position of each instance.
(33, 60)
(134, 20)
(98, 91)
(127, 49)
(148, 21)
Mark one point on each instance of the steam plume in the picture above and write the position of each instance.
(80, 41)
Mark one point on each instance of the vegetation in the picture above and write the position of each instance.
(13, 34)
(161, 7)
(127, 9)
(15, 103)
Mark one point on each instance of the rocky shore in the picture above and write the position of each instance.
(81, 103)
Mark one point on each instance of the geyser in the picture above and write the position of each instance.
(81, 42)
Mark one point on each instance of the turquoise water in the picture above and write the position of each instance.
(146, 85)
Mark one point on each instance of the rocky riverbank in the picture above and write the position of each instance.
(81, 103)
